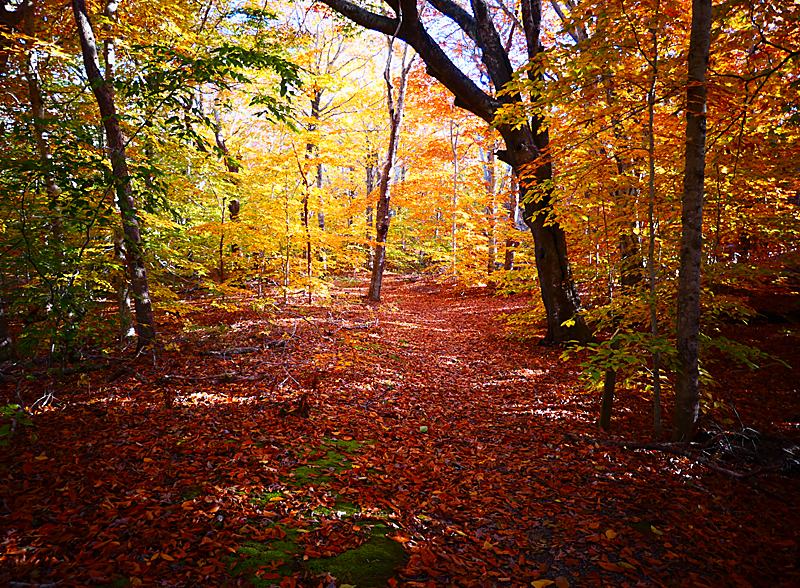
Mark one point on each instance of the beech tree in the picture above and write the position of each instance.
(382, 216)
(526, 143)
(127, 202)
(687, 398)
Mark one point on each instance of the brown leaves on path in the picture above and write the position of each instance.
(472, 452)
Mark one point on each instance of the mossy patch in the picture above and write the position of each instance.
(367, 566)
(372, 563)
(330, 457)
(341, 508)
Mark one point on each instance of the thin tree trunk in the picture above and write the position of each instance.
(490, 178)
(42, 142)
(222, 240)
(382, 217)
(609, 383)
(7, 351)
(120, 278)
(687, 394)
(651, 251)
(454, 202)
(513, 215)
(127, 201)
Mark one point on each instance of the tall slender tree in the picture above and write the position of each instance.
(127, 202)
(688, 320)
(382, 210)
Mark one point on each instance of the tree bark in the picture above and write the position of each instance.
(42, 142)
(127, 202)
(7, 351)
(490, 180)
(524, 144)
(688, 320)
(382, 210)
(119, 279)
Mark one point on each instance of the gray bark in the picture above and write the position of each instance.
(127, 202)
(120, 280)
(382, 210)
(688, 320)
(6, 342)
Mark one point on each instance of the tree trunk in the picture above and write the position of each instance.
(651, 250)
(127, 202)
(513, 216)
(7, 351)
(688, 320)
(454, 200)
(382, 217)
(490, 180)
(372, 158)
(42, 142)
(119, 278)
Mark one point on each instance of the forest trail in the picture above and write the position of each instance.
(479, 454)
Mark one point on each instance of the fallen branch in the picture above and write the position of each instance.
(682, 450)
(223, 377)
(236, 351)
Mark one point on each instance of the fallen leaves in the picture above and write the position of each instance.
(498, 490)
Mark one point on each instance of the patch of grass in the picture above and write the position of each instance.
(276, 557)
(190, 493)
(369, 565)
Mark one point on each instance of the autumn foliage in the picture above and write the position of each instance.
(193, 390)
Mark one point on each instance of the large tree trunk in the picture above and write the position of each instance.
(524, 144)
(688, 321)
(127, 202)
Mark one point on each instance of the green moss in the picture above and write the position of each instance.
(371, 564)
(264, 498)
(318, 471)
(367, 566)
(341, 508)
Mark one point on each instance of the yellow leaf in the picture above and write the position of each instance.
(542, 583)
(611, 534)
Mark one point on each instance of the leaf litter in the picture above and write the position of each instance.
(434, 450)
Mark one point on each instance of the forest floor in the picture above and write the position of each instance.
(431, 449)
